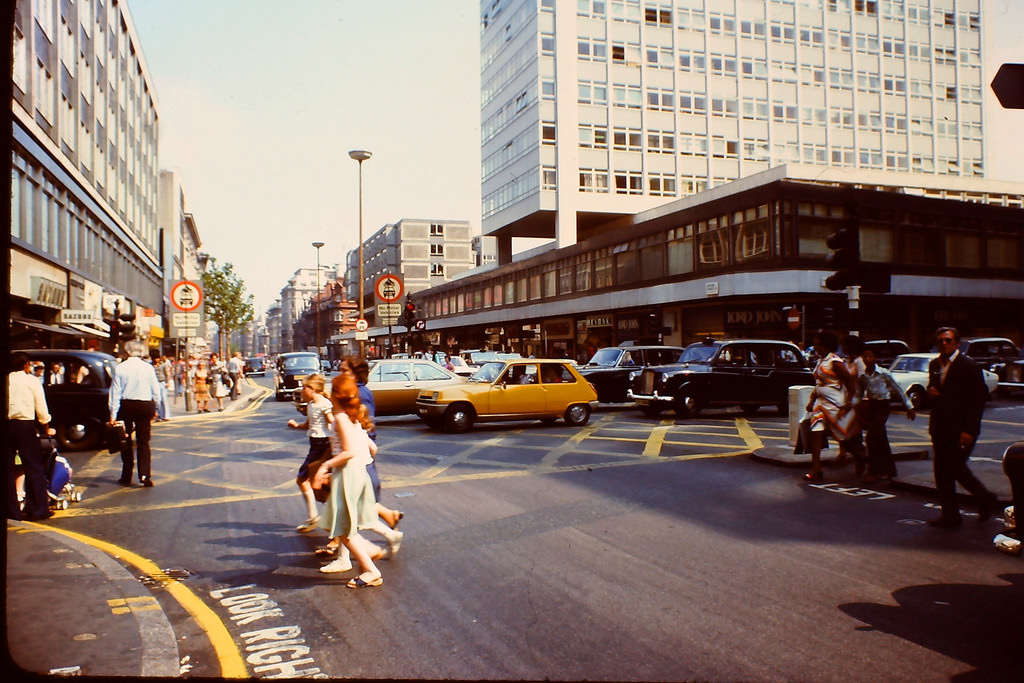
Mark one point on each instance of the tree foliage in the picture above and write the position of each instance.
(226, 301)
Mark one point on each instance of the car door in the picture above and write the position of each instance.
(394, 391)
(517, 391)
(789, 370)
(728, 380)
(561, 388)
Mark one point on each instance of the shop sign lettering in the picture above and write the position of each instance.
(48, 293)
(747, 318)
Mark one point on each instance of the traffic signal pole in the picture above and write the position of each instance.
(853, 301)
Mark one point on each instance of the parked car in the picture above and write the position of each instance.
(886, 350)
(477, 357)
(991, 353)
(460, 367)
(325, 367)
(1012, 377)
(611, 369)
(911, 372)
(397, 382)
(518, 389)
(77, 388)
(254, 366)
(292, 368)
(749, 373)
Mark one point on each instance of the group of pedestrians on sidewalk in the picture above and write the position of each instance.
(853, 395)
(341, 464)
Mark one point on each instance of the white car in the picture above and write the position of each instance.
(910, 370)
(461, 367)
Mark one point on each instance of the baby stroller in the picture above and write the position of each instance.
(58, 477)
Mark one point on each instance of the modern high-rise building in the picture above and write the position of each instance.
(85, 215)
(598, 107)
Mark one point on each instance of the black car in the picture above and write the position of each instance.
(611, 369)
(749, 373)
(991, 353)
(292, 368)
(77, 388)
(254, 366)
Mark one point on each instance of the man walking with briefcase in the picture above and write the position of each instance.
(134, 395)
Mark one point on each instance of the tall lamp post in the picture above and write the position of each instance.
(316, 301)
(360, 155)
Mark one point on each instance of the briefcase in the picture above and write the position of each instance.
(116, 436)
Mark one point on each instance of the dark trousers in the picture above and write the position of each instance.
(234, 384)
(138, 422)
(950, 467)
(874, 415)
(25, 440)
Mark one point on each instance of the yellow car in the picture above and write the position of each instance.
(519, 389)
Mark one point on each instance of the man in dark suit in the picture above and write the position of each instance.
(957, 395)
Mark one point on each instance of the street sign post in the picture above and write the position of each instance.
(389, 288)
(187, 314)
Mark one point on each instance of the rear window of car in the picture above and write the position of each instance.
(301, 363)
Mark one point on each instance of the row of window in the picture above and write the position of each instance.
(663, 14)
(791, 229)
(47, 217)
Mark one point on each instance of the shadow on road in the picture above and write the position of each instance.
(982, 626)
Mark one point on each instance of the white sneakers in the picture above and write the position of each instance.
(394, 542)
(308, 525)
(336, 566)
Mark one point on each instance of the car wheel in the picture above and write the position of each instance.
(749, 410)
(459, 418)
(685, 405)
(651, 409)
(577, 414)
(79, 436)
(917, 396)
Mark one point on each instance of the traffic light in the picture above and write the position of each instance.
(828, 318)
(112, 324)
(126, 326)
(410, 315)
(845, 258)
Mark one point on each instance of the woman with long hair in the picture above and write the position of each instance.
(351, 505)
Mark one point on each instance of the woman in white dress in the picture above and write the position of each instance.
(351, 505)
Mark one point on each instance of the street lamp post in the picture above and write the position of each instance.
(316, 301)
(360, 155)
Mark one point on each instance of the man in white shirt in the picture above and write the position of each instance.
(134, 395)
(236, 370)
(26, 411)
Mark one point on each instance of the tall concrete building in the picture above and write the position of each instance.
(599, 107)
(296, 297)
(425, 252)
(85, 174)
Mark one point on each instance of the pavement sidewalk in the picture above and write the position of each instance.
(248, 393)
(914, 467)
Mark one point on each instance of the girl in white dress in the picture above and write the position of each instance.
(351, 505)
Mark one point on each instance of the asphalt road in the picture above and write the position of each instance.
(630, 549)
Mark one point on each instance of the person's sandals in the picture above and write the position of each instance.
(360, 582)
(326, 550)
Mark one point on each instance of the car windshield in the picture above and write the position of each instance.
(483, 356)
(605, 357)
(301, 363)
(487, 372)
(907, 364)
(699, 353)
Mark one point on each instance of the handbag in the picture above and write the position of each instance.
(321, 493)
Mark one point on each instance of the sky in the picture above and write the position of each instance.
(260, 102)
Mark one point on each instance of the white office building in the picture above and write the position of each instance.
(597, 107)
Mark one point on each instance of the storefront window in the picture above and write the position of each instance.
(712, 251)
(565, 274)
(752, 241)
(652, 262)
(813, 234)
(963, 250)
(550, 283)
(626, 267)
(877, 244)
(919, 247)
(583, 276)
(1003, 251)
(603, 272)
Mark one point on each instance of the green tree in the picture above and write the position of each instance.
(225, 300)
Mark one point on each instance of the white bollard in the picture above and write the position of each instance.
(799, 396)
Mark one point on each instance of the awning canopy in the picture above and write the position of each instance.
(73, 330)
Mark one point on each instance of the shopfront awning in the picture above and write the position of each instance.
(73, 330)
(88, 331)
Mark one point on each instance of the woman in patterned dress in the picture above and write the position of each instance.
(201, 387)
(831, 401)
